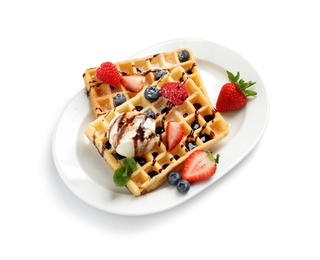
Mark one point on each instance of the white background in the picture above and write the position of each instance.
(265, 208)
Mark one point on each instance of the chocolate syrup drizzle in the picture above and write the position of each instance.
(191, 139)
(125, 122)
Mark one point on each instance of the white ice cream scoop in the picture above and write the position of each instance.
(132, 134)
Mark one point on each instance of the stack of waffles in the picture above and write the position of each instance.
(203, 125)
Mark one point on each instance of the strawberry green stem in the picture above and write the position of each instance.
(212, 158)
(241, 84)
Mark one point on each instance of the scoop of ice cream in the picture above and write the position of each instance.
(132, 134)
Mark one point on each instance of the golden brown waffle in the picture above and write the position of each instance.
(101, 95)
(203, 127)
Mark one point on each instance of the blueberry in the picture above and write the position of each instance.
(152, 93)
(173, 178)
(183, 186)
(159, 74)
(184, 55)
(150, 113)
(119, 99)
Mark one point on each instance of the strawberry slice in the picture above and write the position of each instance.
(200, 165)
(133, 82)
(174, 134)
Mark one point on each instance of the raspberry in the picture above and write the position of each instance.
(176, 92)
(108, 73)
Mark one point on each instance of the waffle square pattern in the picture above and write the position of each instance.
(101, 95)
(203, 125)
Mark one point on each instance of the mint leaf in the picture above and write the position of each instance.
(122, 175)
(130, 163)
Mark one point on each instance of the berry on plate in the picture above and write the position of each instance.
(152, 93)
(174, 134)
(159, 74)
(234, 94)
(184, 55)
(119, 99)
(133, 82)
(173, 178)
(150, 113)
(200, 165)
(175, 92)
(108, 73)
(183, 186)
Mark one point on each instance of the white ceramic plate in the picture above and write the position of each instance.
(87, 175)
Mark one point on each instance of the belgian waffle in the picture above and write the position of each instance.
(203, 127)
(101, 95)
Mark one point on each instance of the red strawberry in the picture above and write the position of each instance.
(133, 82)
(200, 165)
(176, 92)
(108, 73)
(174, 134)
(234, 95)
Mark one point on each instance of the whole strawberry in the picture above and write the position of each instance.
(234, 95)
(108, 73)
